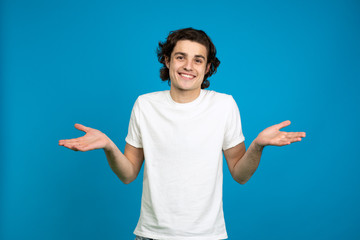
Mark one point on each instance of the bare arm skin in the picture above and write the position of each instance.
(126, 166)
(243, 164)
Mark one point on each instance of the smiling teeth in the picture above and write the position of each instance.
(188, 76)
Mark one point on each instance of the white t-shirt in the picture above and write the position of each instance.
(183, 170)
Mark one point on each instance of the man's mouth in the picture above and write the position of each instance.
(187, 76)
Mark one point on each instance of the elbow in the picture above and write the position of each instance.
(241, 180)
(127, 180)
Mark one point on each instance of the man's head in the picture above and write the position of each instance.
(165, 52)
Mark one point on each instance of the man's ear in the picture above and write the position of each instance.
(167, 62)
(208, 68)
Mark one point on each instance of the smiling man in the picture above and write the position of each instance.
(182, 134)
(187, 68)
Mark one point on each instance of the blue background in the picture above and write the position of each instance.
(66, 62)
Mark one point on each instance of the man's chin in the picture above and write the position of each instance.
(186, 87)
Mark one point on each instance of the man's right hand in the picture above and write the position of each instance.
(93, 139)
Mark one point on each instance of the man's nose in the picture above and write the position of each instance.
(188, 65)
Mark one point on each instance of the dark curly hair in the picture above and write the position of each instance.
(165, 49)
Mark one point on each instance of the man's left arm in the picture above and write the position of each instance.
(243, 164)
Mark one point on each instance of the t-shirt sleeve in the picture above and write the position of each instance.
(134, 134)
(233, 131)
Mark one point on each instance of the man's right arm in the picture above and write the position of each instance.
(126, 166)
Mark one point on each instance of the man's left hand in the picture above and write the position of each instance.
(273, 136)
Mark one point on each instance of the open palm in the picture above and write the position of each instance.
(93, 139)
(273, 136)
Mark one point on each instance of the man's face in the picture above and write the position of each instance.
(187, 66)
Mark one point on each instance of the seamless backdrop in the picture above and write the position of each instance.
(66, 62)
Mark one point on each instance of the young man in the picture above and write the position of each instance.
(182, 134)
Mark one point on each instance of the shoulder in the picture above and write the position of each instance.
(218, 97)
(154, 95)
(222, 102)
(152, 98)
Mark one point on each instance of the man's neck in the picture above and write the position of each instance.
(184, 96)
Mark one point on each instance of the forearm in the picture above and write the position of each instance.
(119, 163)
(247, 165)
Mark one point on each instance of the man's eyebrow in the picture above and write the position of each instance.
(200, 56)
(180, 53)
(184, 54)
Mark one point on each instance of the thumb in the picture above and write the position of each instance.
(81, 127)
(283, 124)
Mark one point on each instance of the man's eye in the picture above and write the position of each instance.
(198, 61)
(180, 57)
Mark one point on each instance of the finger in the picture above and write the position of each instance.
(63, 142)
(287, 141)
(68, 141)
(74, 148)
(70, 146)
(283, 124)
(292, 140)
(295, 134)
(301, 134)
(295, 140)
(81, 127)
